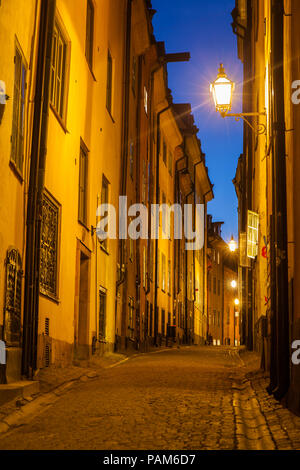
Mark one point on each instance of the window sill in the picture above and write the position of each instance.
(90, 69)
(50, 297)
(83, 225)
(104, 250)
(109, 113)
(60, 120)
(16, 171)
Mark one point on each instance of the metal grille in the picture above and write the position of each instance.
(49, 248)
(47, 324)
(13, 295)
(47, 355)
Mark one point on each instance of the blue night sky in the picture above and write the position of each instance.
(204, 29)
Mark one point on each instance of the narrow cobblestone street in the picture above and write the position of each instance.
(192, 398)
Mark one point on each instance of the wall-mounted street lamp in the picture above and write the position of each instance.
(236, 302)
(232, 244)
(222, 90)
(234, 284)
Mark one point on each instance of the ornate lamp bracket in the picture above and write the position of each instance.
(261, 129)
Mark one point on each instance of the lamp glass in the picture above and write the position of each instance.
(222, 89)
(232, 245)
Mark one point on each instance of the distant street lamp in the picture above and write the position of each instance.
(222, 90)
(236, 302)
(234, 284)
(232, 244)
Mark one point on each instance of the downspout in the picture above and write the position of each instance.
(125, 123)
(195, 203)
(176, 288)
(157, 202)
(124, 157)
(35, 190)
(279, 187)
(186, 276)
(205, 272)
(138, 195)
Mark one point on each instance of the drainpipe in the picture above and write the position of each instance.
(35, 190)
(176, 288)
(280, 209)
(157, 202)
(186, 274)
(194, 257)
(124, 153)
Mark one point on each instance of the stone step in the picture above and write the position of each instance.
(22, 389)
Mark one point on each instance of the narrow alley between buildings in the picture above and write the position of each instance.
(189, 398)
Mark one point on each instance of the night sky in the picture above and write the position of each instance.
(204, 29)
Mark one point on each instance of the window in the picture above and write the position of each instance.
(133, 78)
(58, 71)
(17, 139)
(164, 152)
(102, 313)
(252, 235)
(13, 298)
(169, 277)
(104, 200)
(131, 317)
(146, 326)
(49, 247)
(163, 322)
(131, 159)
(151, 320)
(109, 83)
(157, 266)
(145, 100)
(164, 213)
(170, 163)
(144, 268)
(89, 41)
(163, 268)
(83, 181)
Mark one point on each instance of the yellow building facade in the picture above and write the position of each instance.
(90, 118)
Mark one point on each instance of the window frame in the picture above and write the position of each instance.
(109, 83)
(19, 102)
(83, 151)
(43, 291)
(102, 329)
(105, 183)
(61, 114)
(90, 34)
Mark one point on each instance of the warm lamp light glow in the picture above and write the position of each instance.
(233, 284)
(237, 302)
(232, 244)
(222, 89)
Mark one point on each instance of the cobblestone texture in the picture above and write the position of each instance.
(192, 398)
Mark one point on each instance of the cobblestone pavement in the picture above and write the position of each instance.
(192, 398)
